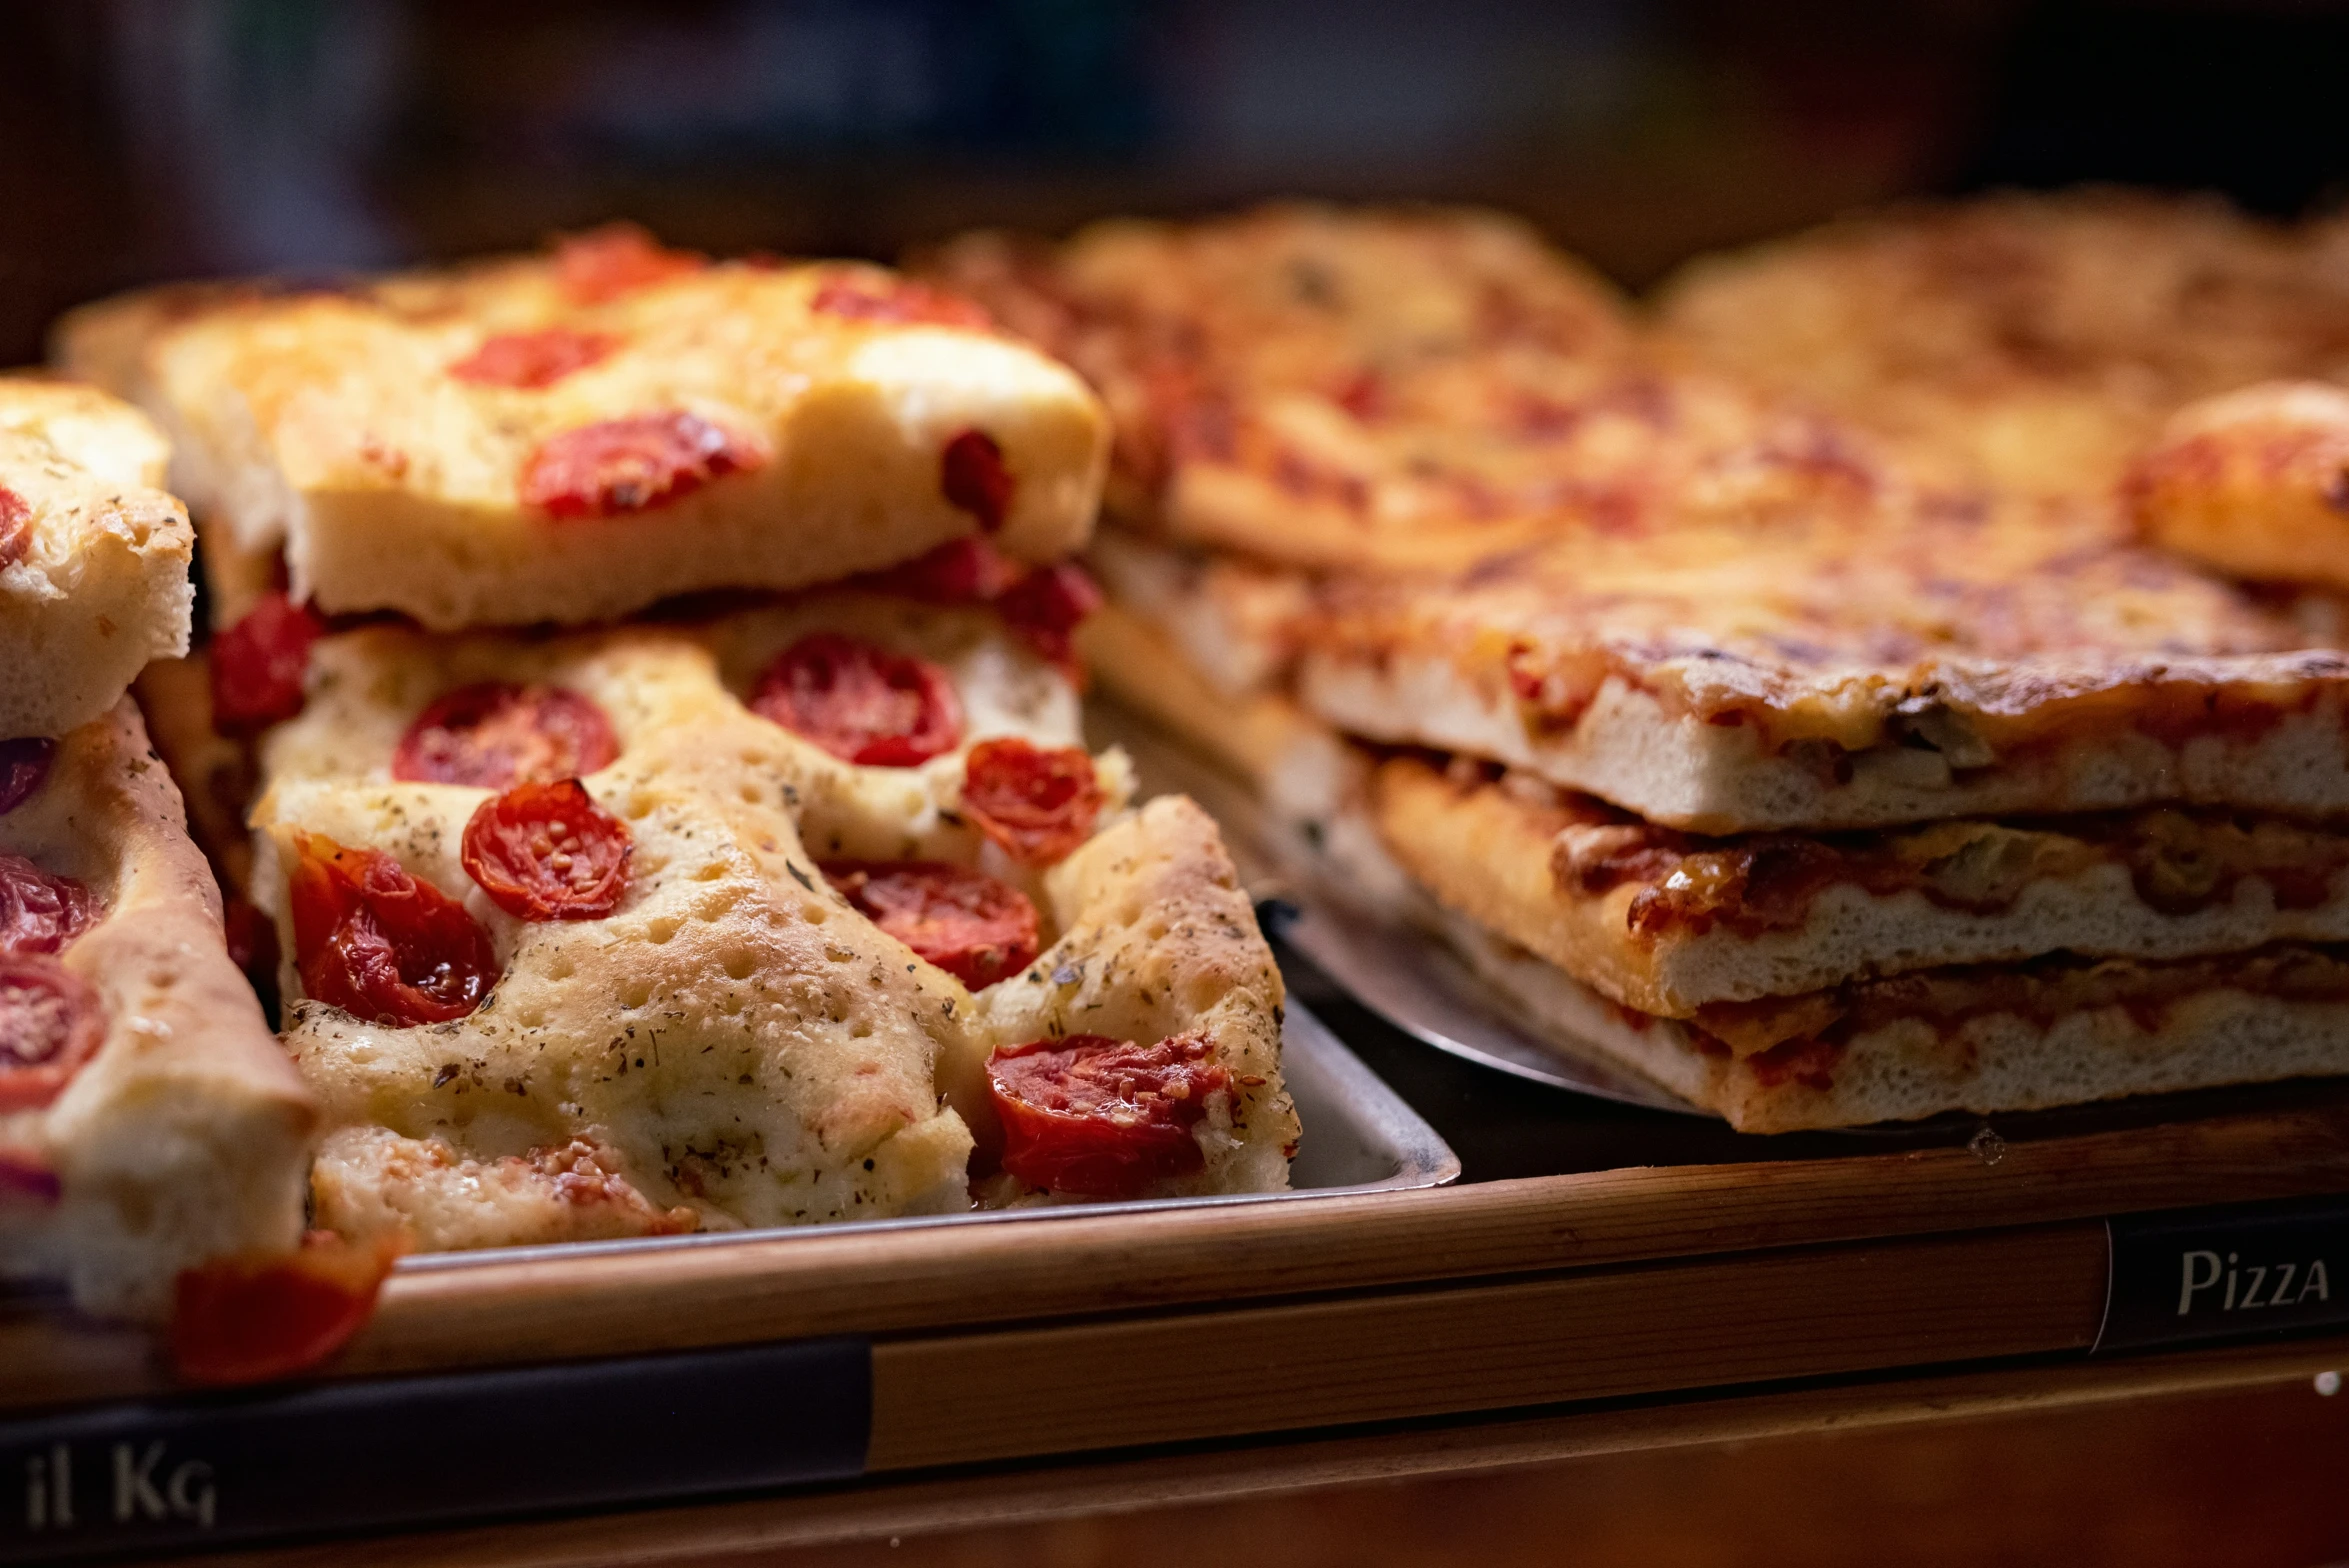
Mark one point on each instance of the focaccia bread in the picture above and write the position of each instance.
(2254, 483)
(572, 437)
(148, 1121)
(2023, 658)
(735, 1029)
(93, 555)
(1669, 923)
(2032, 341)
(1390, 389)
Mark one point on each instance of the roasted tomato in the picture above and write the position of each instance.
(24, 765)
(972, 477)
(1100, 1117)
(51, 1022)
(896, 300)
(971, 925)
(16, 527)
(381, 945)
(618, 258)
(40, 913)
(495, 734)
(548, 852)
(1045, 608)
(1038, 803)
(258, 665)
(631, 465)
(257, 1316)
(967, 570)
(861, 703)
(532, 361)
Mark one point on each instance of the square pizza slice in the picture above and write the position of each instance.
(746, 923)
(149, 1124)
(571, 437)
(93, 555)
(1344, 389)
(1967, 660)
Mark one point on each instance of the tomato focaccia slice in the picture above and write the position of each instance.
(1139, 1057)
(148, 1121)
(2035, 341)
(93, 555)
(2023, 658)
(525, 443)
(1669, 923)
(664, 997)
(2254, 483)
(1395, 390)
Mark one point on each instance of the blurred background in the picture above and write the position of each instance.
(163, 138)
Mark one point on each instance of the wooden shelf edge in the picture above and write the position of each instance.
(1008, 1495)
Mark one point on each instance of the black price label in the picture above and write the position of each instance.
(139, 1477)
(2205, 1274)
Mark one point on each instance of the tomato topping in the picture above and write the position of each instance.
(861, 703)
(51, 1022)
(16, 527)
(974, 480)
(381, 945)
(1037, 803)
(897, 300)
(258, 665)
(971, 925)
(262, 1315)
(548, 852)
(27, 1176)
(495, 734)
(631, 465)
(1102, 1117)
(24, 764)
(532, 360)
(1045, 608)
(618, 258)
(967, 570)
(40, 913)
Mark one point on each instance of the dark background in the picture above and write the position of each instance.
(146, 139)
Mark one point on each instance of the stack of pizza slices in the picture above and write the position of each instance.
(150, 1128)
(1812, 785)
(652, 681)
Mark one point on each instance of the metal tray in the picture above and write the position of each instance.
(1360, 1136)
(1404, 975)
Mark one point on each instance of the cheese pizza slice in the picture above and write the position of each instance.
(93, 555)
(149, 1124)
(572, 437)
(703, 926)
(1390, 389)
(2031, 341)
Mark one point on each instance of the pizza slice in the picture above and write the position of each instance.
(694, 926)
(93, 555)
(1388, 389)
(572, 437)
(2031, 341)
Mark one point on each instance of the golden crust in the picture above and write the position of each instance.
(1405, 389)
(2018, 658)
(2032, 341)
(331, 423)
(735, 1045)
(186, 1136)
(93, 555)
(2254, 482)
